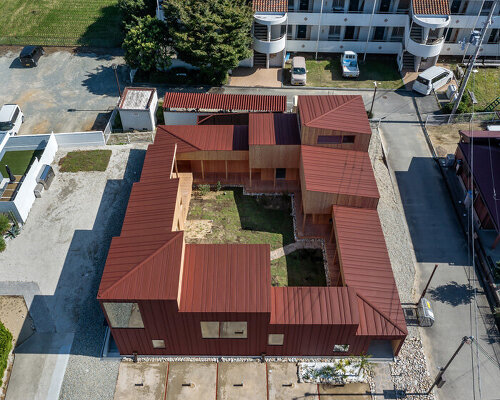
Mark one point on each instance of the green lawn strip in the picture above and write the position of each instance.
(303, 267)
(61, 22)
(245, 219)
(486, 86)
(18, 161)
(5, 347)
(88, 160)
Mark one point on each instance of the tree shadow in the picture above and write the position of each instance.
(105, 31)
(102, 80)
(305, 267)
(453, 293)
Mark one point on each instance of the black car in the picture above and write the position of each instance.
(30, 55)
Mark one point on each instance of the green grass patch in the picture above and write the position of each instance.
(61, 23)
(18, 161)
(5, 347)
(244, 219)
(327, 73)
(486, 86)
(89, 160)
(303, 267)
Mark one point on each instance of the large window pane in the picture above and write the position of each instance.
(233, 330)
(124, 315)
(209, 330)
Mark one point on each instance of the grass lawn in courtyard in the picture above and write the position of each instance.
(327, 73)
(303, 267)
(88, 160)
(61, 23)
(242, 219)
(18, 161)
(486, 86)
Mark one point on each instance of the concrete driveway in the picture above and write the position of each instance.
(67, 92)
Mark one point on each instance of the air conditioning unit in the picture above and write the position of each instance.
(46, 176)
(38, 190)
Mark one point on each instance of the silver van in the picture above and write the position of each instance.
(432, 79)
(298, 71)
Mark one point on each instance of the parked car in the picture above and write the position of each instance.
(299, 71)
(11, 119)
(30, 55)
(432, 79)
(349, 64)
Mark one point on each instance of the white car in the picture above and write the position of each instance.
(349, 64)
(11, 119)
(432, 79)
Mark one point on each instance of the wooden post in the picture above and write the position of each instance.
(202, 171)
(304, 222)
(176, 170)
(274, 180)
(226, 169)
(331, 235)
(250, 176)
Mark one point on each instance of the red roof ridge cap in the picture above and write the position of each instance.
(181, 139)
(174, 236)
(383, 314)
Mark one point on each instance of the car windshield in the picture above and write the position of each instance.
(6, 125)
(422, 80)
(299, 71)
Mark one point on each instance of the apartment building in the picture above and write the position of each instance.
(417, 31)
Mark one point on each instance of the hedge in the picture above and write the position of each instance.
(5, 347)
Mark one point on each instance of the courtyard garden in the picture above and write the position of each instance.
(18, 161)
(228, 216)
(87, 160)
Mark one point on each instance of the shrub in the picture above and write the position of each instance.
(203, 189)
(4, 224)
(2, 244)
(218, 187)
(132, 9)
(5, 347)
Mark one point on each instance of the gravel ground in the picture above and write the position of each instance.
(87, 376)
(410, 370)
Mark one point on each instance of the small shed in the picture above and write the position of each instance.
(138, 109)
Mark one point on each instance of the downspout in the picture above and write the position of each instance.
(369, 29)
(319, 29)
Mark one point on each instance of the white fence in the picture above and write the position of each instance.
(80, 139)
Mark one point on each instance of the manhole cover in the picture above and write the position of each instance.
(384, 97)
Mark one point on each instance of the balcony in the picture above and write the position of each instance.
(433, 22)
(272, 46)
(350, 18)
(428, 48)
(270, 19)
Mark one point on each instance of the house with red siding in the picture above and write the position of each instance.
(163, 296)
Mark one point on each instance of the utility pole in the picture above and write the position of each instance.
(427, 286)
(373, 100)
(114, 66)
(472, 61)
(439, 381)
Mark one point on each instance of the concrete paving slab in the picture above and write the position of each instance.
(144, 381)
(200, 377)
(242, 381)
(352, 391)
(283, 383)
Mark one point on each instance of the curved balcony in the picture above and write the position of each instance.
(433, 22)
(269, 47)
(270, 19)
(431, 47)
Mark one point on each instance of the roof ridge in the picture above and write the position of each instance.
(383, 314)
(181, 139)
(174, 236)
(334, 109)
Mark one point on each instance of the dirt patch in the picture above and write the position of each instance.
(14, 315)
(445, 137)
(197, 229)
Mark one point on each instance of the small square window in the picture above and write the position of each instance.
(280, 173)
(275, 339)
(209, 330)
(341, 348)
(335, 139)
(233, 330)
(158, 344)
(348, 139)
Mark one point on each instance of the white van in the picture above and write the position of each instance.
(298, 71)
(11, 119)
(432, 78)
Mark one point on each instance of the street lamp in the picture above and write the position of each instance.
(373, 100)
(115, 67)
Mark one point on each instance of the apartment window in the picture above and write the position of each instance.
(334, 33)
(385, 6)
(403, 6)
(158, 344)
(280, 173)
(291, 5)
(304, 5)
(351, 33)
(329, 139)
(301, 31)
(397, 34)
(348, 139)
(289, 32)
(275, 339)
(494, 36)
(123, 315)
(486, 7)
(341, 348)
(353, 5)
(223, 330)
(451, 35)
(378, 34)
(455, 6)
(338, 6)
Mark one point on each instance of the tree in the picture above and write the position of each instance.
(146, 45)
(132, 9)
(213, 35)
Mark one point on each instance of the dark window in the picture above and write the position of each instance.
(349, 33)
(422, 80)
(353, 5)
(439, 77)
(397, 33)
(280, 173)
(301, 31)
(304, 5)
(348, 139)
(338, 6)
(486, 7)
(329, 139)
(493, 36)
(385, 5)
(378, 35)
(291, 5)
(455, 6)
(14, 116)
(334, 33)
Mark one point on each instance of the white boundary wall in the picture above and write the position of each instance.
(80, 139)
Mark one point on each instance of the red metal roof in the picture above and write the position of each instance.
(339, 113)
(314, 306)
(431, 7)
(270, 5)
(374, 323)
(365, 262)
(481, 134)
(338, 171)
(209, 137)
(273, 129)
(226, 278)
(214, 102)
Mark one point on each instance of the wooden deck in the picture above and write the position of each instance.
(310, 230)
(10, 189)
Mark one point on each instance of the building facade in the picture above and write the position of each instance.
(416, 31)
